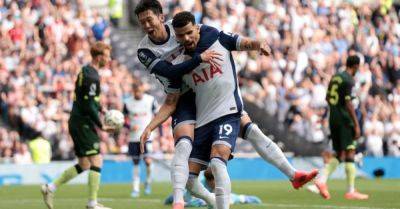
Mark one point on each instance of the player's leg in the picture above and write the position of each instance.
(199, 159)
(134, 152)
(48, 190)
(332, 162)
(96, 163)
(225, 133)
(271, 153)
(147, 186)
(80, 147)
(350, 167)
(196, 188)
(135, 177)
(219, 158)
(183, 135)
(183, 121)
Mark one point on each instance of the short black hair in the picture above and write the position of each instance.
(152, 5)
(182, 19)
(352, 61)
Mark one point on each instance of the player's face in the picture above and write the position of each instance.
(138, 92)
(151, 23)
(355, 70)
(104, 59)
(188, 35)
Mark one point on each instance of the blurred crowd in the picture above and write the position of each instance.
(310, 40)
(43, 45)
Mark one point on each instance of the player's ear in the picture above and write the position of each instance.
(162, 18)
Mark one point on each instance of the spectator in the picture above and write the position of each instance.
(40, 148)
(22, 155)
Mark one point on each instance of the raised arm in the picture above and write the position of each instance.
(234, 42)
(166, 69)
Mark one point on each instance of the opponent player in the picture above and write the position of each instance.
(345, 129)
(152, 55)
(139, 109)
(82, 122)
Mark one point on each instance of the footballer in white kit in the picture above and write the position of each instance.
(139, 110)
(218, 100)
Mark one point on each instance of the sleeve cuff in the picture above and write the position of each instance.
(238, 42)
(151, 66)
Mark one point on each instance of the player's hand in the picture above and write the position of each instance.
(265, 49)
(357, 132)
(109, 129)
(143, 138)
(211, 57)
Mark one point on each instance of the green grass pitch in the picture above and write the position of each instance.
(275, 194)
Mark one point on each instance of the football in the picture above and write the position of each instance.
(114, 118)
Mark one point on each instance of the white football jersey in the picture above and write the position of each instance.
(150, 53)
(216, 88)
(140, 112)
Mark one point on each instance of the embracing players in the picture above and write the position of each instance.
(158, 51)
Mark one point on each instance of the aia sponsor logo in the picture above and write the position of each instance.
(205, 74)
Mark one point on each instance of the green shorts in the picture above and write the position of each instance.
(85, 138)
(342, 137)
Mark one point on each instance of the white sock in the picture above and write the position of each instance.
(92, 203)
(222, 183)
(268, 150)
(148, 174)
(136, 178)
(52, 187)
(180, 168)
(198, 190)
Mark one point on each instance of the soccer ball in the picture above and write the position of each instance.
(114, 118)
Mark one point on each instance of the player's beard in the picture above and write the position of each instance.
(102, 62)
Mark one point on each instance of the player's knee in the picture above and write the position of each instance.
(84, 164)
(184, 130)
(244, 120)
(195, 168)
(147, 161)
(80, 169)
(136, 161)
(220, 151)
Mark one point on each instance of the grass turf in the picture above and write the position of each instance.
(275, 194)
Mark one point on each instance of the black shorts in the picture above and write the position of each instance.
(342, 137)
(84, 135)
(134, 150)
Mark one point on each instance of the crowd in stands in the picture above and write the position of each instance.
(43, 45)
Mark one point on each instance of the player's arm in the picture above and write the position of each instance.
(166, 110)
(166, 69)
(91, 93)
(350, 110)
(234, 42)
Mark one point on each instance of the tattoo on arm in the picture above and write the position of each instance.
(248, 44)
(171, 99)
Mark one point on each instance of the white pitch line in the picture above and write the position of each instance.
(37, 200)
(317, 206)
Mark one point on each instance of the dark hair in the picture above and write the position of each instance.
(352, 61)
(152, 5)
(182, 19)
